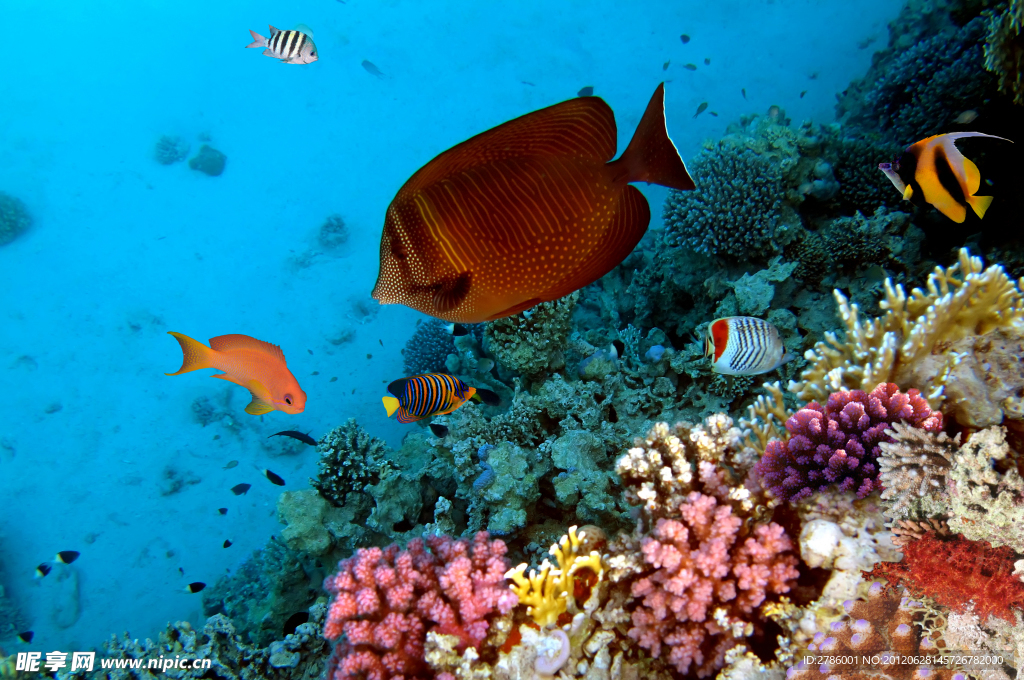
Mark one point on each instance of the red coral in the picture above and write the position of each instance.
(957, 571)
(385, 602)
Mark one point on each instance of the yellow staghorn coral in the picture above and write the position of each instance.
(768, 416)
(549, 593)
(907, 345)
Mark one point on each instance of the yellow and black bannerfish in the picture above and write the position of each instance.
(921, 169)
(431, 394)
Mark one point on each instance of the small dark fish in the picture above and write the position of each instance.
(294, 621)
(586, 91)
(194, 587)
(315, 373)
(227, 544)
(802, 94)
(274, 478)
(310, 352)
(380, 341)
(700, 109)
(26, 637)
(240, 489)
(664, 66)
(372, 69)
(181, 571)
(43, 569)
(304, 438)
(685, 38)
(713, 113)
(334, 379)
(457, 329)
(67, 556)
(690, 67)
(707, 61)
(813, 76)
(743, 91)
(216, 437)
(527, 82)
(231, 464)
(222, 511)
(440, 431)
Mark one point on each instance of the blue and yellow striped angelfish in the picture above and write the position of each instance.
(431, 394)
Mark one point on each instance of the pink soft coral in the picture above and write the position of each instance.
(385, 602)
(701, 567)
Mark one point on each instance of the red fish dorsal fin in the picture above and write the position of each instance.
(556, 131)
(226, 343)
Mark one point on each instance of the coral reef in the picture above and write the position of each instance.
(1004, 50)
(387, 601)
(333, 233)
(855, 242)
(428, 348)
(14, 218)
(350, 460)
(532, 342)
(170, 149)
(209, 161)
(913, 471)
(838, 445)
(861, 185)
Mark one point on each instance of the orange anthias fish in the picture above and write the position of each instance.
(935, 170)
(526, 212)
(255, 365)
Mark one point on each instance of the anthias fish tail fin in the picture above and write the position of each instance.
(257, 40)
(980, 204)
(195, 355)
(390, 405)
(651, 156)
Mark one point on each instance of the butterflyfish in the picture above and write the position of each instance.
(431, 394)
(744, 345)
(935, 170)
(527, 212)
(255, 365)
(291, 47)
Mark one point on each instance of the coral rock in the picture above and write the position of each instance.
(14, 218)
(208, 161)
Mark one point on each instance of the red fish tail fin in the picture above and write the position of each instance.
(195, 354)
(257, 40)
(651, 156)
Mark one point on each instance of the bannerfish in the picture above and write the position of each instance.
(744, 345)
(701, 109)
(255, 365)
(936, 171)
(291, 47)
(194, 587)
(241, 489)
(431, 394)
(372, 69)
(527, 212)
(274, 478)
(690, 67)
(586, 91)
(302, 437)
(26, 637)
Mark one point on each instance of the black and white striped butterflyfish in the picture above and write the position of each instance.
(291, 47)
(431, 394)
(744, 345)
(935, 170)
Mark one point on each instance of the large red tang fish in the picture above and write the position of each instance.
(526, 212)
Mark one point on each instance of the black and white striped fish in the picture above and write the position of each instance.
(291, 47)
(744, 345)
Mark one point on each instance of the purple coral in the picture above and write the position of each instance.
(837, 446)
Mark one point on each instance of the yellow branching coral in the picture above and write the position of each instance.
(907, 344)
(550, 592)
(768, 416)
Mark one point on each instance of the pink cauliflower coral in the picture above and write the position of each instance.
(700, 567)
(386, 601)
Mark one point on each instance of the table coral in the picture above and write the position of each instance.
(386, 601)
(838, 445)
(14, 218)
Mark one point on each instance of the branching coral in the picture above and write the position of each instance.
(1004, 50)
(855, 241)
(534, 341)
(913, 469)
(170, 149)
(861, 186)
(837, 446)
(428, 348)
(14, 218)
(350, 459)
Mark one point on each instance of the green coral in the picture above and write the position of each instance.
(350, 460)
(1004, 50)
(533, 342)
(14, 218)
(887, 239)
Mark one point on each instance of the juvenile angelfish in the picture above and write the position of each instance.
(431, 394)
(923, 166)
(255, 365)
(291, 47)
(744, 345)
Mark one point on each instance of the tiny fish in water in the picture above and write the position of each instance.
(713, 113)
(664, 67)
(43, 569)
(457, 329)
(471, 235)
(813, 76)
(241, 489)
(707, 61)
(222, 511)
(181, 571)
(431, 394)
(700, 109)
(372, 69)
(194, 587)
(921, 168)
(380, 341)
(231, 464)
(66, 556)
(743, 91)
(439, 431)
(334, 379)
(26, 637)
(255, 365)
(802, 94)
(966, 117)
(304, 438)
(685, 38)
(586, 91)
(291, 47)
(310, 352)
(526, 82)
(227, 543)
(690, 67)
(273, 477)
(744, 345)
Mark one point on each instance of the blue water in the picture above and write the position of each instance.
(124, 249)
